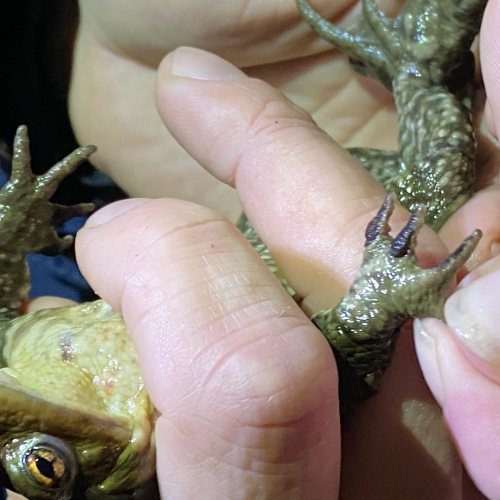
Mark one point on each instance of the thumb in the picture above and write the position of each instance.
(461, 364)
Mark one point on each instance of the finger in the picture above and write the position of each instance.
(48, 302)
(245, 385)
(309, 200)
(13, 496)
(461, 363)
(251, 33)
(490, 65)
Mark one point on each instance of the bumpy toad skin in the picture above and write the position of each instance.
(75, 418)
(422, 56)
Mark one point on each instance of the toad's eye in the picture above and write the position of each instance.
(45, 466)
(40, 466)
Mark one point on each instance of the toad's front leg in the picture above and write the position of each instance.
(389, 288)
(27, 219)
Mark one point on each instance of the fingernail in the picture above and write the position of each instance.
(489, 117)
(473, 314)
(201, 65)
(110, 212)
(484, 269)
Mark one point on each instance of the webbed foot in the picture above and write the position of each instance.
(26, 214)
(389, 288)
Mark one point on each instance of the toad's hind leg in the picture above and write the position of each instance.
(372, 44)
(435, 34)
(390, 287)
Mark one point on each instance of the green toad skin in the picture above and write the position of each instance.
(75, 418)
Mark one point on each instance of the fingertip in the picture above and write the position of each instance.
(48, 302)
(119, 235)
(175, 78)
(203, 111)
(109, 212)
(469, 399)
(469, 339)
(472, 313)
(104, 234)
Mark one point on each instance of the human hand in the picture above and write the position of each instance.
(461, 359)
(245, 385)
(118, 49)
(10, 495)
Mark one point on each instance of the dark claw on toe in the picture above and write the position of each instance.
(459, 257)
(405, 241)
(379, 225)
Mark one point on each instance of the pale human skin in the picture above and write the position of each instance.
(13, 496)
(120, 44)
(225, 429)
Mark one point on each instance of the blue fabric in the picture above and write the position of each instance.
(58, 274)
